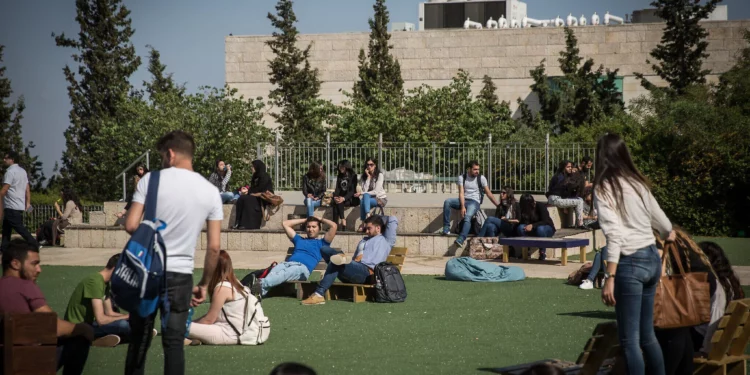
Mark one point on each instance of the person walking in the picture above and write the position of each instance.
(15, 198)
(627, 213)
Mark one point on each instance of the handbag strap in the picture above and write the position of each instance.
(672, 248)
(151, 195)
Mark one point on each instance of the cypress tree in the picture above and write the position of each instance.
(489, 100)
(379, 72)
(297, 86)
(106, 59)
(683, 45)
(161, 83)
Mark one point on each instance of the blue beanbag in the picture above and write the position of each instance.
(470, 269)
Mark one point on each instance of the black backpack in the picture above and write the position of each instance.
(389, 285)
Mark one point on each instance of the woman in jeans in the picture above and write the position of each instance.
(506, 216)
(372, 193)
(534, 221)
(313, 187)
(627, 212)
(563, 189)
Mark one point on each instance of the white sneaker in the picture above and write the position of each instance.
(586, 285)
(340, 259)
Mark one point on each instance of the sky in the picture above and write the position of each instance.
(190, 36)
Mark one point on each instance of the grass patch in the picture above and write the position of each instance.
(444, 327)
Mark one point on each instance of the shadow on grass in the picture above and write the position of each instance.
(486, 369)
(596, 314)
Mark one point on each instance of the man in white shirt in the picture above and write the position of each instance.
(185, 201)
(471, 190)
(15, 198)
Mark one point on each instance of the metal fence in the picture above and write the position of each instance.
(424, 167)
(43, 212)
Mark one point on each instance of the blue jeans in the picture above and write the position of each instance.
(492, 226)
(228, 196)
(354, 272)
(311, 205)
(367, 203)
(120, 328)
(283, 272)
(635, 286)
(540, 231)
(454, 203)
(597, 264)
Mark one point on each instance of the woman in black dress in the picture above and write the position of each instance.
(343, 196)
(249, 208)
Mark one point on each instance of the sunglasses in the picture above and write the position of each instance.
(503, 192)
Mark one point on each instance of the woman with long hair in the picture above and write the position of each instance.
(506, 216)
(534, 221)
(373, 193)
(249, 208)
(313, 187)
(343, 195)
(227, 308)
(73, 214)
(563, 190)
(139, 171)
(729, 290)
(220, 178)
(627, 212)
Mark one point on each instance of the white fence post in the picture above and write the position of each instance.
(276, 163)
(380, 150)
(546, 160)
(328, 158)
(489, 172)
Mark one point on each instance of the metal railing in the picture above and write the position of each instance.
(419, 167)
(43, 212)
(124, 173)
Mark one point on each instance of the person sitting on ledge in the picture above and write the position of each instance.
(307, 253)
(220, 178)
(380, 237)
(313, 187)
(249, 208)
(535, 221)
(472, 188)
(506, 216)
(372, 192)
(562, 191)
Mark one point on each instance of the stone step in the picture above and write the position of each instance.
(273, 240)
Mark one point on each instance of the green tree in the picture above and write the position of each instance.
(379, 71)
(161, 82)
(683, 45)
(106, 59)
(734, 86)
(296, 84)
(11, 129)
(581, 95)
(488, 98)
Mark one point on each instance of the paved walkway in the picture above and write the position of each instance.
(415, 264)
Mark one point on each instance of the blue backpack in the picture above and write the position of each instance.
(139, 282)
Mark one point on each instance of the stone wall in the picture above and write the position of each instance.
(433, 57)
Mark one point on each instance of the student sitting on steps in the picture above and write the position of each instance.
(307, 253)
(380, 237)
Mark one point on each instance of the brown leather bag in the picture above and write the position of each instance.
(682, 300)
(271, 198)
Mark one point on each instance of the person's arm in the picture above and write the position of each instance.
(379, 183)
(352, 187)
(305, 191)
(659, 220)
(461, 195)
(111, 311)
(213, 246)
(70, 206)
(68, 329)
(225, 181)
(322, 191)
(3, 192)
(331, 233)
(133, 220)
(221, 295)
(28, 196)
(289, 227)
(391, 226)
(489, 194)
(99, 314)
(543, 217)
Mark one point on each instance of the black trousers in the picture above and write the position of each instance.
(339, 208)
(179, 291)
(13, 220)
(72, 353)
(249, 212)
(677, 348)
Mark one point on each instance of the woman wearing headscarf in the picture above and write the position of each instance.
(249, 208)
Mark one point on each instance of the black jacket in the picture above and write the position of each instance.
(346, 186)
(542, 217)
(261, 181)
(556, 186)
(501, 211)
(315, 187)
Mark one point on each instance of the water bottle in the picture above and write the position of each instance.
(189, 321)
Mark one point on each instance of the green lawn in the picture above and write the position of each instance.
(444, 327)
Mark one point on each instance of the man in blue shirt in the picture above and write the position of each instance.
(380, 237)
(305, 257)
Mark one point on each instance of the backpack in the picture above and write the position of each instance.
(139, 280)
(255, 325)
(576, 277)
(389, 285)
(259, 274)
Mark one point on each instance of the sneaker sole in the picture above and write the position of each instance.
(337, 259)
(313, 304)
(109, 341)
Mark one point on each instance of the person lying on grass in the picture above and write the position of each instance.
(307, 253)
(380, 237)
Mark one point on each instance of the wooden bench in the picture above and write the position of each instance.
(365, 292)
(29, 344)
(548, 243)
(600, 356)
(728, 343)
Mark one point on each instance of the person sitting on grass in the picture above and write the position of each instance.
(88, 304)
(534, 221)
(227, 308)
(506, 216)
(380, 237)
(19, 294)
(307, 253)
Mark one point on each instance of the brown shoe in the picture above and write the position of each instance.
(314, 300)
(189, 342)
(340, 259)
(109, 341)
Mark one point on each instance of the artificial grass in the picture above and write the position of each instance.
(443, 327)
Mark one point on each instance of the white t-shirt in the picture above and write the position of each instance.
(471, 189)
(185, 201)
(16, 177)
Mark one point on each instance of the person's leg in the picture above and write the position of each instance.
(364, 209)
(579, 211)
(239, 207)
(315, 204)
(332, 272)
(226, 197)
(17, 223)
(310, 208)
(179, 290)
(338, 212)
(598, 263)
(471, 209)
(140, 341)
(628, 294)
(448, 205)
(507, 229)
(327, 252)
(211, 334)
(7, 230)
(355, 273)
(490, 228)
(120, 328)
(543, 231)
(649, 266)
(283, 272)
(676, 347)
(72, 353)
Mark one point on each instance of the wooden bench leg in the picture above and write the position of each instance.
(525, 252)
(359, 294)
(564, 257)
(583, 254)
(506, 250)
